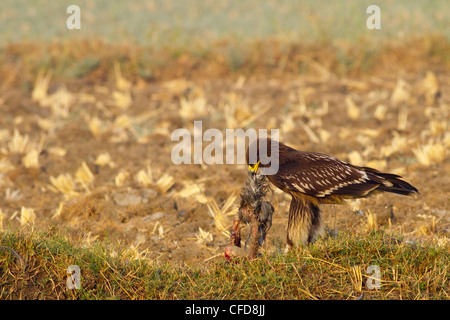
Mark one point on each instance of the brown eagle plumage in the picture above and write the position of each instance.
(313, 178)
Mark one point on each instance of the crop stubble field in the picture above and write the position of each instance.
(85, 156)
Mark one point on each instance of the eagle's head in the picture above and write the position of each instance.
(264, 154)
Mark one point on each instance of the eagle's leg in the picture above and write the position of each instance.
(316, 224)
(304, 224)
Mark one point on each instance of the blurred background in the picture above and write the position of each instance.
(178, 22)
(87, 115)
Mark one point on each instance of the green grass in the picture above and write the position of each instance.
(325, 270)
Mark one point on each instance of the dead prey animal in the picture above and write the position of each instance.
(256, 213)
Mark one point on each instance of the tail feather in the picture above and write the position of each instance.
(390, 182)
(398, 186)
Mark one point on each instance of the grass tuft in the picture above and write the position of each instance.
(33, 266)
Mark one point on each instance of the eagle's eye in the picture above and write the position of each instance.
(254, 167)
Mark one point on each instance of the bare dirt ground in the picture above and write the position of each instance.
(94, 159)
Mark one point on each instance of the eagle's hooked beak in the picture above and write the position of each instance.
(254, 168)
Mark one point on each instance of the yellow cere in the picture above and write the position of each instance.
(254, 167)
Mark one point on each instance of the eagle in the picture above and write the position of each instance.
(312, 179)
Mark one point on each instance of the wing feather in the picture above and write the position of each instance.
(321, 176)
